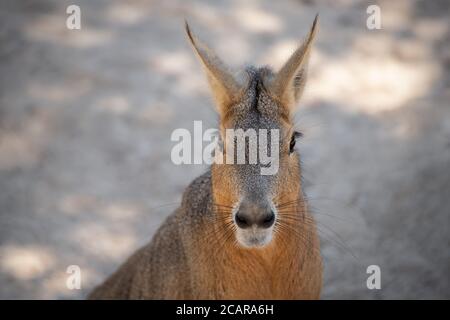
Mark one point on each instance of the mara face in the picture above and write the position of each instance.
(241, 190)
(256, 189)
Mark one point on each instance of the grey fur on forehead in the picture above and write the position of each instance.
(256, 103)
(256, 110)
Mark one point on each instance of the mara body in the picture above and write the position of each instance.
(238, 234)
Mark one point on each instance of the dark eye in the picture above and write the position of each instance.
(293, 139)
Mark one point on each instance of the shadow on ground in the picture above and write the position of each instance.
(86, 118)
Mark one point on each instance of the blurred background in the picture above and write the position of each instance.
(86, 117)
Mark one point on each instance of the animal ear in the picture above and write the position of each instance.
(225, 88)
(288, 83)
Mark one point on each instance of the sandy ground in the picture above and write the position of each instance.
(86, 118)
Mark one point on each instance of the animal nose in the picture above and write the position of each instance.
(245, 220)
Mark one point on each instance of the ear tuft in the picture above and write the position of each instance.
(188, 32)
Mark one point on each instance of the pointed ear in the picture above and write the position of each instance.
(289, 82)
(225, 88)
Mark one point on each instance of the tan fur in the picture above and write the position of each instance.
(194, 254)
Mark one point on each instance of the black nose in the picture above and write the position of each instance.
(268, 220)
(245, 220)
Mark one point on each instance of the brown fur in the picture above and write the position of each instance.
(194, 254)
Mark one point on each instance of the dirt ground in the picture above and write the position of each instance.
(86, 117)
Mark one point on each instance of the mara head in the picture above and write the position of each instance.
(257, 187)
